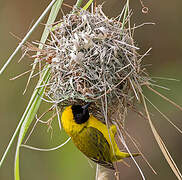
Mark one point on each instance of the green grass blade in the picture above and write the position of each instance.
(43, 39)
(51, 19)
(35, 101)
(27, 36)
(79, 3)
(88, 4)
(28, 118)
(126, 12)
(45, 33)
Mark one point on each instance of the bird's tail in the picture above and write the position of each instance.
(120, 155)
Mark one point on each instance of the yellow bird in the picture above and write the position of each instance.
(91, 136)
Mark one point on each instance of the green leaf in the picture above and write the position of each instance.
(87, 5)
(36, 98)
(44, 37)
(28, 117)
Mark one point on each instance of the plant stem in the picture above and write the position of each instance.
(79, 3)
(27, 36)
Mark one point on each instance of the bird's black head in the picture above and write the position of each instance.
(80, 113)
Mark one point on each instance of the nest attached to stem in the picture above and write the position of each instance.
(93, 59)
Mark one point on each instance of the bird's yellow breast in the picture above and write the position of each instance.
(74, 130)
(92, 137)
(69, 124)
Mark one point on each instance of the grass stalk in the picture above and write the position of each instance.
(38, 93)
(43, 39)
(27, 36)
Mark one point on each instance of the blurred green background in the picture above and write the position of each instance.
(68, 163)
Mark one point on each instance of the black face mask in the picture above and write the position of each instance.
(80, 113)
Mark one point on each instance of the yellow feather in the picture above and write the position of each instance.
(93, 138)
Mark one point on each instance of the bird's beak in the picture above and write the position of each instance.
(85, 107)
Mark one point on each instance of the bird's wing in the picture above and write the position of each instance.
(101, 147)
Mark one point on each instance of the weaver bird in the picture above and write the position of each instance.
(91, 136)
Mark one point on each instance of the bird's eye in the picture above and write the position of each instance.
(79, 116)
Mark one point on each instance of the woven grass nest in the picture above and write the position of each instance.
(94, 59)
